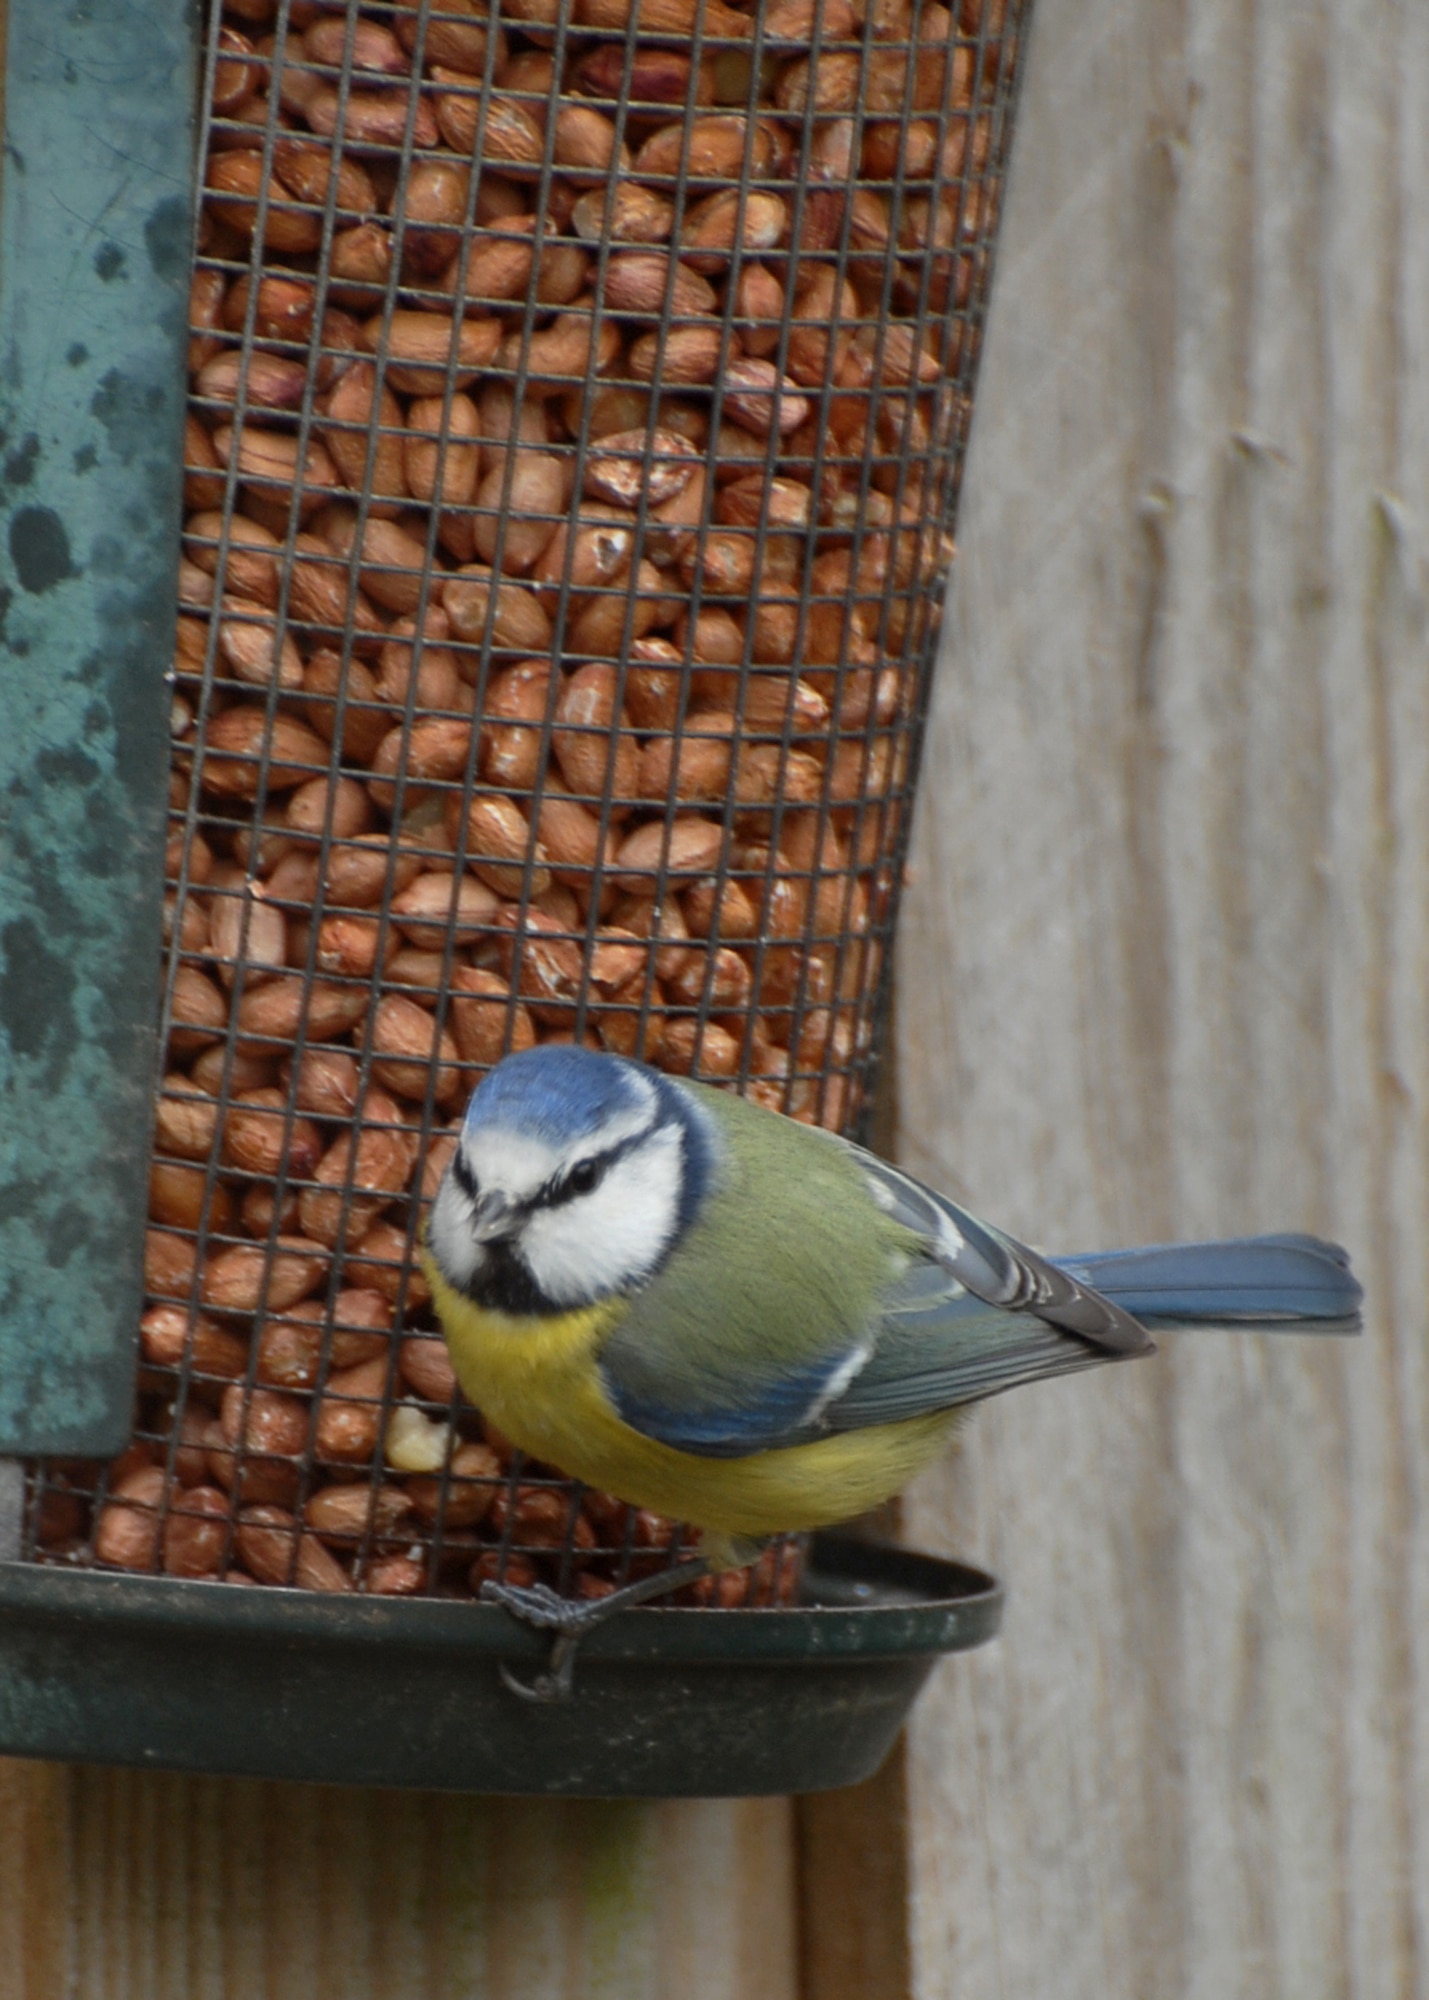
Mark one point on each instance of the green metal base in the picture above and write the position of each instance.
(111, 1669)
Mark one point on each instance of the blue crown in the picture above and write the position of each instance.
(559, 1092)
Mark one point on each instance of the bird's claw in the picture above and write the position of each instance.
(570, 1619)
(537, 1604)
(556, 1684)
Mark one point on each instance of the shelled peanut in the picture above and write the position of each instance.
(575, 402)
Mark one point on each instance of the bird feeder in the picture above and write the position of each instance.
(552, 416)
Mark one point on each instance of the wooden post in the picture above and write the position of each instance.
(1163, 973)
(140, 1885)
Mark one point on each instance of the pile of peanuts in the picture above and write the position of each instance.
(576, 394)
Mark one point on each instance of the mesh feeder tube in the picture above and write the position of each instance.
(577, 400)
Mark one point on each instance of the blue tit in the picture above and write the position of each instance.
(754, 1326)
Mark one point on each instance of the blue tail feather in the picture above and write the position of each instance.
(1294, 1282)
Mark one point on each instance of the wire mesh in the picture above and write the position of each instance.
(578, 402)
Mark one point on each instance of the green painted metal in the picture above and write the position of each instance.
(150, 1671)
(94, 269)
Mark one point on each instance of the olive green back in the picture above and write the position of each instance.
(781, 1271)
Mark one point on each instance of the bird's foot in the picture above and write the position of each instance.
(571, 1618)
(537, 1604)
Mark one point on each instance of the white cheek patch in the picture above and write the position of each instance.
(449, 1236)
(613, 1237)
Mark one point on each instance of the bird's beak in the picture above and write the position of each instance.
(494, 1216)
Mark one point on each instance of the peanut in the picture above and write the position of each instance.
(735, 220)
(475, 600)
(184, 1198)
(363, 433)
(467, 1494)
(244, 749)
(585, 143)
(347, 1514)
(127, 1530)
(457, 37)
(592, 739)
(711, 148)
(543, 966)
(186, 1119)
(349, 1419)
(238, 188)
(690, 1049)
(238, 1278)
(692, 766)
(360, 262)
(440, 905)
(518, 506)
(571, 836)
(635, 467)
(434, 748)
(646, 283)
(486, 1023)
(198, 1011)
(357, 1177)
(392, 1575)
(687, 846)
(196, 1532)
(261, 1137)
(284, 1008)
(278, 1552)
(247, 938)
(629, 212)
(514, 710)
(688, 353)
(438, 462)
(272, 464)
(410, 1055)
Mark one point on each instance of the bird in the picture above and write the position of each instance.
(756, 1326)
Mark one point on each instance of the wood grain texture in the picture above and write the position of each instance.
(853, 1889)
(1164, 971)
(138, 1885)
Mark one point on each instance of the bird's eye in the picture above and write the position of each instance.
(584, 1177)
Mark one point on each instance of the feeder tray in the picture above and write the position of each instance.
(753, 814)
(194, 1676)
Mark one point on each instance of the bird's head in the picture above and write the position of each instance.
(574, 1176)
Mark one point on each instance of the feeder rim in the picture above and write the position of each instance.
(914, 1604)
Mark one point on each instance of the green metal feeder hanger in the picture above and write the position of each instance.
(151, 1670)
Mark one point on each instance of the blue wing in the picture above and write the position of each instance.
(973, 1312)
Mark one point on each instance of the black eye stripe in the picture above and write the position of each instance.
(578, 1180)
(572, 1184)
(586, 1175)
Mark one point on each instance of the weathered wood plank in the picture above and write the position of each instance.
(1163, 972)
(34, 1838)
(853, 1889)
(137, 1885)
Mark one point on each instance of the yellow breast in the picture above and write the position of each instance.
(537, 1380)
